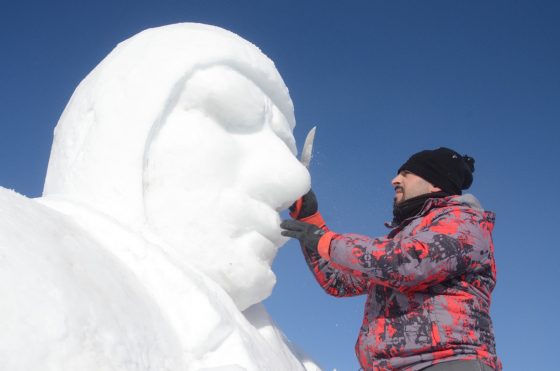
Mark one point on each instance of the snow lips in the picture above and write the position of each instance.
(183, 133)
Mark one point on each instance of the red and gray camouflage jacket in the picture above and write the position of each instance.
(429, 285)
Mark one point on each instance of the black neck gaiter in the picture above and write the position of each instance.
(413, 206)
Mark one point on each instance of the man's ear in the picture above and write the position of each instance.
(434, 189)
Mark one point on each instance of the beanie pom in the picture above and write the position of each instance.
(470, 162)
(467, 177)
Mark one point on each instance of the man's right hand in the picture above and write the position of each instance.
(305, 206)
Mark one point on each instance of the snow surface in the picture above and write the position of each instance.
(151, 248)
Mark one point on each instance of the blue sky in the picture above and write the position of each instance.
(381, 80)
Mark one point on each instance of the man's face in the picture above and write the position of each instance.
(408, 185)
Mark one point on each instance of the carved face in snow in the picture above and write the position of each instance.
(222, 164)
(184, 133)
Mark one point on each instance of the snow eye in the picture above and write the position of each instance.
(228, 97)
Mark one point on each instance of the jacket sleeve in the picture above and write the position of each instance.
(335, 280)
(439, 248)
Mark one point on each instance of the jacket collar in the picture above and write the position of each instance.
(466, 200)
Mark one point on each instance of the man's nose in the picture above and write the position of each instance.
(396, 180)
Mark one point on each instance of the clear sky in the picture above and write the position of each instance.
(381, 80)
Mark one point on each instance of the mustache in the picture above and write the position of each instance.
(399, 189)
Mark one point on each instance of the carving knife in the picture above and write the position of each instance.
(307, 151)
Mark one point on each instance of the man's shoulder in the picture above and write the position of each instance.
(466, 202)
(461, 208)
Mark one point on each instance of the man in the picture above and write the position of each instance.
(429, 281)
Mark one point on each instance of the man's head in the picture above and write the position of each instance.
(438, 170)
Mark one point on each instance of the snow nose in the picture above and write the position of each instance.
(277, 178)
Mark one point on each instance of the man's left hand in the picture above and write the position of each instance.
(307, 234)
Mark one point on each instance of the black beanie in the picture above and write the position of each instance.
(443, 167)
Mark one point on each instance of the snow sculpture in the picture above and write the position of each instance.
(152, 245)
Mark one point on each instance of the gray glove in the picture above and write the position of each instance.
(307, 234)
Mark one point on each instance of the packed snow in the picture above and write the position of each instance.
(151, 248)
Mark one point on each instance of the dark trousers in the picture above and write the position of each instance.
(459, 366)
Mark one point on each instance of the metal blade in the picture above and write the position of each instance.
(307, 151)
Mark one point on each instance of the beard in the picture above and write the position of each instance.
(403, 197)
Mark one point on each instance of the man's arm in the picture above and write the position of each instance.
(309, 227)
(334, 280)
(447, 246)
